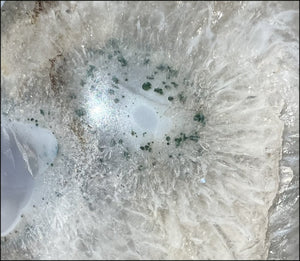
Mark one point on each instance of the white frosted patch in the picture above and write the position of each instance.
(145, 117)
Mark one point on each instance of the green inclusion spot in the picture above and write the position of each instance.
(199, 117)
(146, 86)
(159, 90)
(32, 119)
(113, 43)
(150, 77)
(146, 61)
(183, 138)
(180, 139)
(90, 71)
(110, 91)
(115, 80)
(112, 143)
(174, 84)
(161, 67)
(116, 100)
(171, 72)
(110, 56)
(100, 51)
(181, 97)
(80, 112)
(42, 112)
(120, 141)
(126, 80)
(82, 82)
(126, 155)
(194, 137)
(140, 167)
(170, 98)
(144, 133)
(146, 147)
(167, 86)
(177, 141)
(133, 133)
(122, 60)
(168, 138)
(73, 96)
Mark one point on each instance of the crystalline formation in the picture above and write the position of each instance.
(169, 120)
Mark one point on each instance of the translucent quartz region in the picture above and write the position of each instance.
(26, 150)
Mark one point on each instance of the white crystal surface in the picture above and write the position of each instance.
(219, 189)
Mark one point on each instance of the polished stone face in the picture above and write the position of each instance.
(169, 119)
(16, 182)
(26, 151)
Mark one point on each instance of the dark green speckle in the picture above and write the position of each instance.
(146, 61)
(80, 112)
(181, 98)
(146, 86)
(147, 147)
(159, 90)
(194, 137)
(161, 67)
(82, 82)
(174, 84)
(90, 71)
(110, 91)
(115, 80)
(122, 60)
(126, 155)
(199, 117)
(112, 143)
